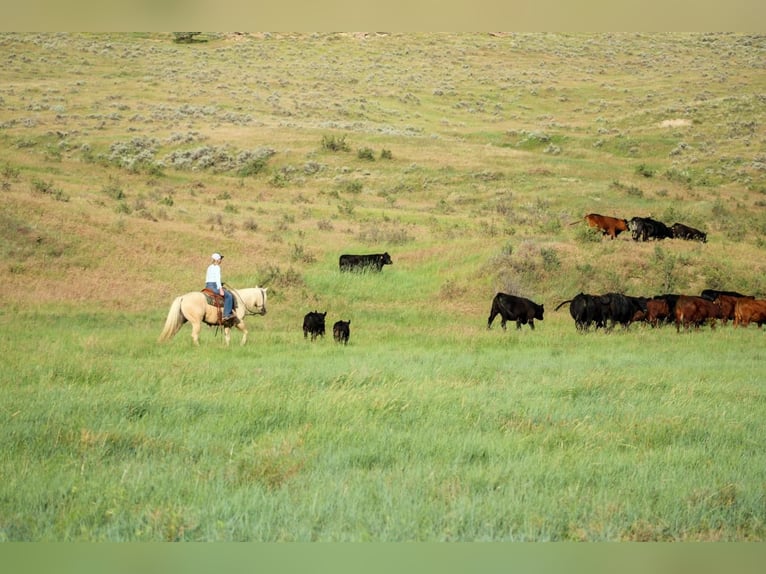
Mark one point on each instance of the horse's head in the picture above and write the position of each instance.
(263, 300)
(258, 304)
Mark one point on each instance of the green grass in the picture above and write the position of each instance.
(427, 426)
(418, 435)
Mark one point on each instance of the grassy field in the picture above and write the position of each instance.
(126, 160)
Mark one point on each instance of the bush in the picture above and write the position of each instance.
(334, 143)
(351, 186)
(587, 234)
(366, 153)
(113, 189)
(273, 276)
(185, 37)
(644, 170)
(252, 167)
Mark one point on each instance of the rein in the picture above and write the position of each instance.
(248, 310)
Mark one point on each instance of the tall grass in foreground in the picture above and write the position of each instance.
(421, 434)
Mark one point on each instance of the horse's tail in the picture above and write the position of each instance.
(174, 321)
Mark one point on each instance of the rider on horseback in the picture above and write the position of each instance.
(213, 282)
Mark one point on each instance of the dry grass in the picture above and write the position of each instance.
(493, 138)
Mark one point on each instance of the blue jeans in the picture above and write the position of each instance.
(228, 299)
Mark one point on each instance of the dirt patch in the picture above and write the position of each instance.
(678, 122)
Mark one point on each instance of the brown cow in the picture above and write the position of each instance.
(657, 310)
(748, 311)
(691, 310)
(611, 226)
(727, 304)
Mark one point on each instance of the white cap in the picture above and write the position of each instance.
(217, 256)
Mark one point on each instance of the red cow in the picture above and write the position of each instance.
(749, 311)
(611, 226)
(657, 310)
(695, 311)
(728, 304)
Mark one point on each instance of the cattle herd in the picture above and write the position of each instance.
(588, 310)
(683, 310)
(643, 228)
(607, 310)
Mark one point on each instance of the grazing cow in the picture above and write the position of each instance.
(313, 323)
(372, 262)
(728, 304)
(646, 228)
(681, 231)
(691, 310)
(512, 308)
(611, 226)
(749, 311)
(586, 310)
(341, 331)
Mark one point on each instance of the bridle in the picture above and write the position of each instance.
(248, 310)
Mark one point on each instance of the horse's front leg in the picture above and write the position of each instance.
(241, 327)
(227, 335)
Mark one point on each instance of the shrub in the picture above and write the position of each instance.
(665, 264)
(334, 143)
(300, 255)
(113, 189)
(587, 234)
(352, 186)
(252, 167)
(185, 37)
(11, 172)
(273, 276)
(551, 261)
(42, 186)
(630, 190)
(250, 225)
(279, 179)
(644, 170)
(386, 154)
(366, 153)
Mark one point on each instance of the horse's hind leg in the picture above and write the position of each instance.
(195, 332)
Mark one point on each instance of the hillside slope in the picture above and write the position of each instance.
(126, 159)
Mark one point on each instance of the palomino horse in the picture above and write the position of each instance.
(193, 307)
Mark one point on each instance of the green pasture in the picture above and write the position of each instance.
(416, 433)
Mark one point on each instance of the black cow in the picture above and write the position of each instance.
(372, 262)
(646, 228)
(313, 323)
(713, 294)
(341, 331)
(623, 309)
(512, 308)
(681, 231)
(586, 310)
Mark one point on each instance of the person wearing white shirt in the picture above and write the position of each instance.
(213, 282)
